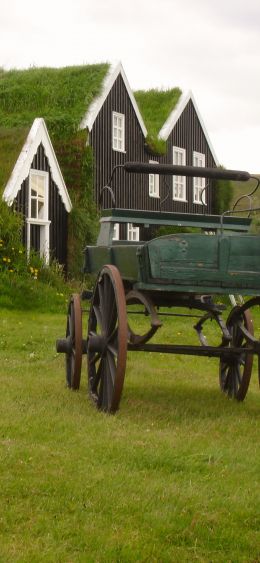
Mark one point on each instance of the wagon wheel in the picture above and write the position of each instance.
(235, 371)
(74, 337)
(107, 340)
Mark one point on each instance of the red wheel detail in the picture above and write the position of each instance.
(107, 340)
(235, 371)
(74, 332)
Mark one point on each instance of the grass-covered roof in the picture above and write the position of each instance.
(155, 107)
(60, 95)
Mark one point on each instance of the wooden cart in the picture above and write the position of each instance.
(178, 271)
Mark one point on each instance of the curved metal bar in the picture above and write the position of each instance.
(249, 194)
(167, 195)
(134, 297)
(108, 187)
(111, 193)
(202, 193)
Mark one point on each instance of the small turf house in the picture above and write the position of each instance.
(36, 189)
(94, 122)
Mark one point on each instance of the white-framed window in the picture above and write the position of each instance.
(132, 232)
(179, 182)
(199, 183)
(38, 195)
(153, 182)
(38, 205)
(118, 131)
(116, 231)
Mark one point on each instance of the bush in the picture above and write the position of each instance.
(26, 282)
(222, 196)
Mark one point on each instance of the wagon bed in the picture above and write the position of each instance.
(226, 260)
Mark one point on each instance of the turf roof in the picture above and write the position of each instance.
(60, 95)
(155, 107)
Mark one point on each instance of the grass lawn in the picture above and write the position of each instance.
(173, 476)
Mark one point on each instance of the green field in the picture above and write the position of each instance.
(173, 476)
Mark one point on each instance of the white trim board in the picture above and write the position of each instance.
(95, 107)
(38, 134)
(176, 113)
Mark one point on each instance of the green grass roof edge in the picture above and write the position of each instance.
(155, 106)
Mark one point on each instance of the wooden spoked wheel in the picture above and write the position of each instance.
(74, 338)
(235, 371)
(107, 340)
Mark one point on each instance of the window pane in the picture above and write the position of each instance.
(40, 209)
(34, 208)
(37, 195)
(118, 139)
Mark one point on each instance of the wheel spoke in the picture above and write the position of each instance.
(113, 344)
(97, 312)
(113, 318)
(238, 374)
(112, 367)
(97, 376)
(109, 382)
(226, 383)
(93, 359)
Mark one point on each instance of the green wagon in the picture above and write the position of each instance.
(176, 272)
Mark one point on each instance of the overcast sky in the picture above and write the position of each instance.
(211, 47)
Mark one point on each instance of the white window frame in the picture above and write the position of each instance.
(133, 233)
(118, 132)
(199, 183)
(45, 176)
(154, 182)
(179, 182)
(43, 222)
(116, 231)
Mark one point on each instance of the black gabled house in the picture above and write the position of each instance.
(117, 134)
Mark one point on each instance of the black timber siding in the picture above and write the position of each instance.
(188, 134)
(131, 191)
(57, 213)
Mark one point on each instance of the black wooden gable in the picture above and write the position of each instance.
(57, 214)
(188, 134)
(129, 190)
